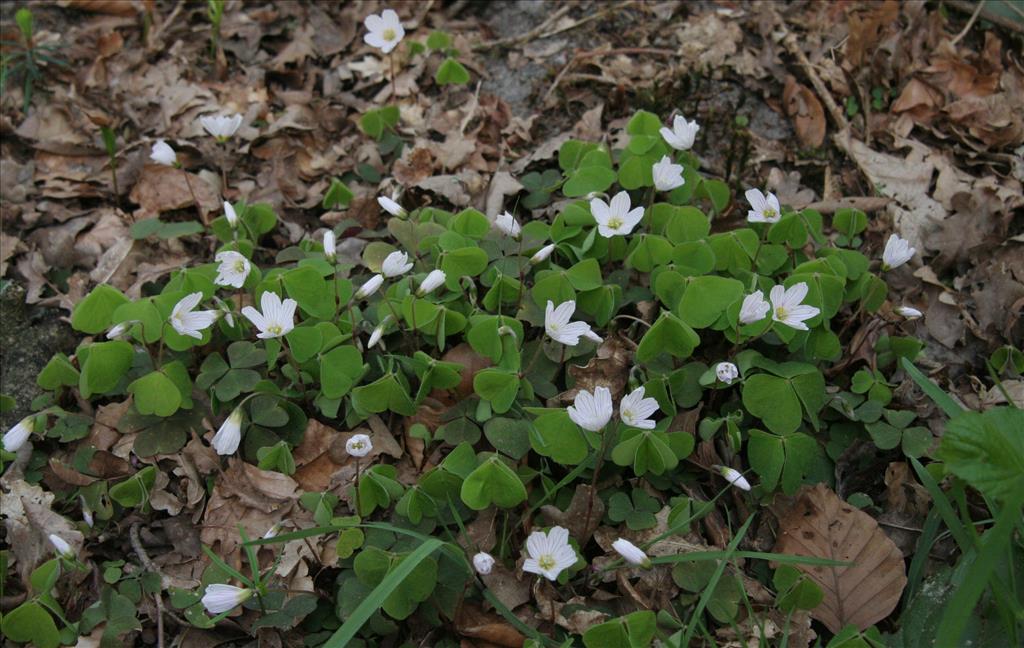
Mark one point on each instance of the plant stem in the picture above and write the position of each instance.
(394, 91)
(598, 463)
(356, 496)
(199, 209)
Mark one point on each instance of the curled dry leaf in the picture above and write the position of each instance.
(473, 622)
(821, 525)
(29, 519)
(608, 368)
(806, 112)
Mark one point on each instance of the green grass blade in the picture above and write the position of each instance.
(945, 509)
(705, 596)
(375, 600)
(934, 392)
(788, 559)
(960, 608)
(917, 564)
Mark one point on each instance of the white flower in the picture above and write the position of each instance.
(221, 126)
(550, 553)
(754, 308)
(188, 322)
(667, 176)
(385, 31)
(64, 550)
(233, 269)
(162, 153)
(273, 531)
(330, 246)
(483, 563)
(87, 514)
(593, 337)
(119, 329)
(359, 445)
(220, 598)
(395, 264)
(631, 553)
(431, 282)
(615, 218)
(897, 252)
(635, 410)
(542, 254)
(682, 135)
(370, 287)
(376, 335)
(909, 312)
(390, 206)
(19, 434)
(787, 307)
(734, 477)
(507, 224)
(559, 328)
(765, 207)
(229, 435)
(230, 214)
(592, 411)
(277, 318)
(727, 372)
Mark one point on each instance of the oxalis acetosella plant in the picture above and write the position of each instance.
(559, 355)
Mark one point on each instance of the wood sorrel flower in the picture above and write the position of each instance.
(377, 333)
(385, 31)
(220, 598)
(371, 286)
(507, 224)
(550, 553)
(592, 411)
(631, 553)
(162, 153)
(635, 410)
(63, 549)
(909, 312)
(483, 563)
(395, 264)
(615, 218)
(727, 372)
(229, 435)
(682, 134)
(19, 434)
(221, 127)
(560, 329)
(788, 307)
(120, 329)
(754, 308)
(390, 206)
(359, 445)
(734, 477)
(542, 254)
(188, 322)
(330, 246)
(667, 176)
(764, 207)
(230, 214)
(277, 318)
(431, 282)
(233, 269)
(897, 252)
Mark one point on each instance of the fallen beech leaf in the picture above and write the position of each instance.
(29, 519)
(820, 524)
(163, 189)
(806, 112)
(473, 622)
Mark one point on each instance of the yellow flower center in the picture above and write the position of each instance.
(239, 266)
(780, 313)
(546, 562)
(275, 329)
(389, 34)
(769, 213)
(627, 414)
(615, 223)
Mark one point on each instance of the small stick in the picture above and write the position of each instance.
(149, 566)
(199, 210)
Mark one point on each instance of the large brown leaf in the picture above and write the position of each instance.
(822, 525)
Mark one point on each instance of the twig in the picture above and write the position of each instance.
(195, 201)
(158, 596)
(992, 17)
(530, 35)
(863, 203)
(790, 41)
(970, 23)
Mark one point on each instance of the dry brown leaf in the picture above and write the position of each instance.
(162, 188)
(29, 519)
(609, 368)
(805, 111)
(820, 524)
(471, 621)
